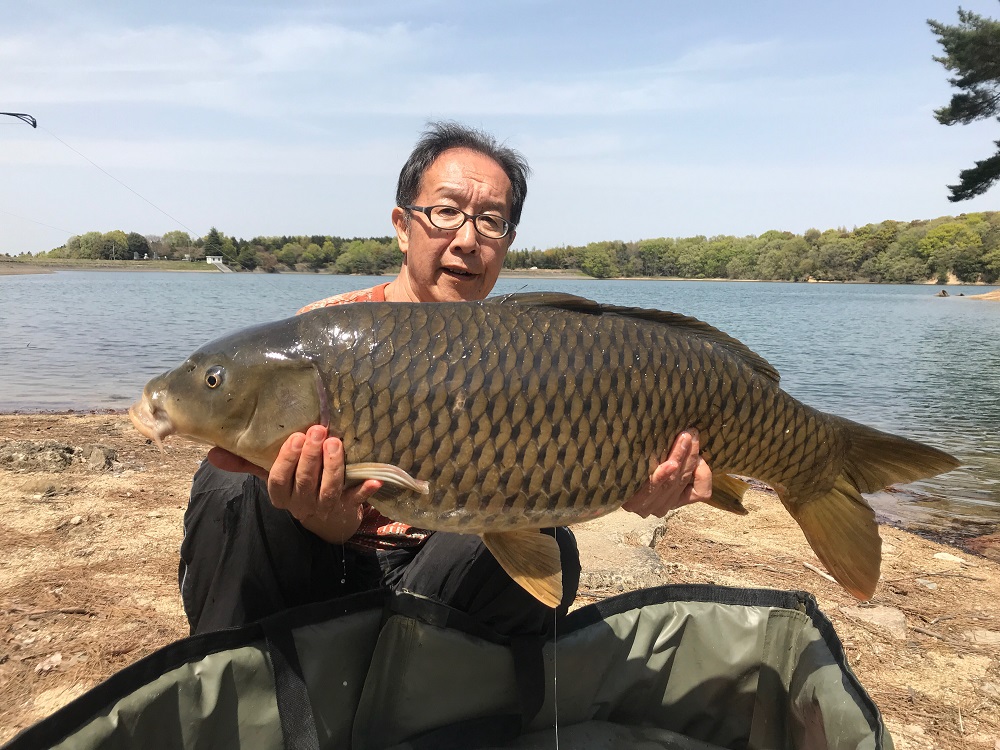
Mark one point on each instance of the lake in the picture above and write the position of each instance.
(894, 357)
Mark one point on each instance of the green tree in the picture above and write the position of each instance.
(357, 257)
(991, 266)
(690, 254)
(314, 256)
(290, 253)
(903, 262)
(245, 257)
(782, 259)
(70, 250)
(138, 246)
(176, 239)
(953, 247)
(972, 53)
(91, 244)
(212, 244)
(178, 243)
(834, 260)
(114, 246)
(330, 250)
(718, 253)
(599, 261)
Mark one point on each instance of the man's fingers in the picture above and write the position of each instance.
(693, 457)
(332, 482)
(307, 473)
(701, 485)
(362, 492)
(281, 480)
(664, 472)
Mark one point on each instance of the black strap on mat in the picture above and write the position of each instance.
(529, 671)
(298, 725)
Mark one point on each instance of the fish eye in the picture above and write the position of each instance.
(213, 377)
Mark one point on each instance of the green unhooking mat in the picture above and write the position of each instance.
(669, 668)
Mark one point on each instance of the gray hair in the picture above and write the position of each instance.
(444, 135)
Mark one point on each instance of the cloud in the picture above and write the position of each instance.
(207, 156)
(188, 65)
(327, 70)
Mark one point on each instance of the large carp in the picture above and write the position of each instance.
(515, 413)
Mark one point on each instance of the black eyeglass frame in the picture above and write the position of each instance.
(474, 218)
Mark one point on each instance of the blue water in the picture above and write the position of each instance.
(894, 357)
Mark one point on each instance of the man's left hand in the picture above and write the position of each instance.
(683, 478)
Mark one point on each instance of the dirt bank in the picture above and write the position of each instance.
(90, 523)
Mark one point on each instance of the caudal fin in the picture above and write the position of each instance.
(840, 525)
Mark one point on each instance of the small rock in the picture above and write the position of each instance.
(101, 457)
(927, 584)
(990, 690)
(154, 514)
(889, 619)
(49, 663)
(76, 520)
(982, 636)
(948, 557)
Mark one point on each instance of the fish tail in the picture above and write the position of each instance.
(840, 525)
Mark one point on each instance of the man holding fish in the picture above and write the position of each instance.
(259, 541)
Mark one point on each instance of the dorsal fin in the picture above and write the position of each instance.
(683, 323)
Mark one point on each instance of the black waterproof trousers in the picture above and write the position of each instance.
(243, 559)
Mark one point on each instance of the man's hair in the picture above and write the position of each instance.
(441, 136)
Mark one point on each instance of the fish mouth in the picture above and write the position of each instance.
(150, 421)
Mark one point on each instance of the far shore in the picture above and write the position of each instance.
(18, 267)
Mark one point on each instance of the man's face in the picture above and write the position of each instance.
(452, 265)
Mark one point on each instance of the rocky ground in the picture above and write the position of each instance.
(90, 523)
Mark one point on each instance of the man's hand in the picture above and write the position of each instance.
(683, 478)
(307, 480)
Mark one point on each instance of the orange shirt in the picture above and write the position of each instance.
(376, 531)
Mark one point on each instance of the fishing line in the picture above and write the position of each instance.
(33, 122)
(127, 187)
(39, 223)
(235, 261)
(555, 671)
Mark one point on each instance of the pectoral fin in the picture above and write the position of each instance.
(394, 480)
(532, 559)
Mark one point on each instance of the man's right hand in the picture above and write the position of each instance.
(307, 480)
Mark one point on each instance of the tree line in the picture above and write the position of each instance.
(965, 246)
(357, 255)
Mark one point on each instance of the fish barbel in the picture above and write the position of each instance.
(515, 413)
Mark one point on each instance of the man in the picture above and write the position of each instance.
(248, 552)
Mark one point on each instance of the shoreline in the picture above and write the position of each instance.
(20, 268)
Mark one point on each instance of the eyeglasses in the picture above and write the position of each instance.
(449, 217)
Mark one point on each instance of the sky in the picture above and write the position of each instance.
(639, 119)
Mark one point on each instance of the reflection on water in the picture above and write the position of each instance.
(894, 357)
